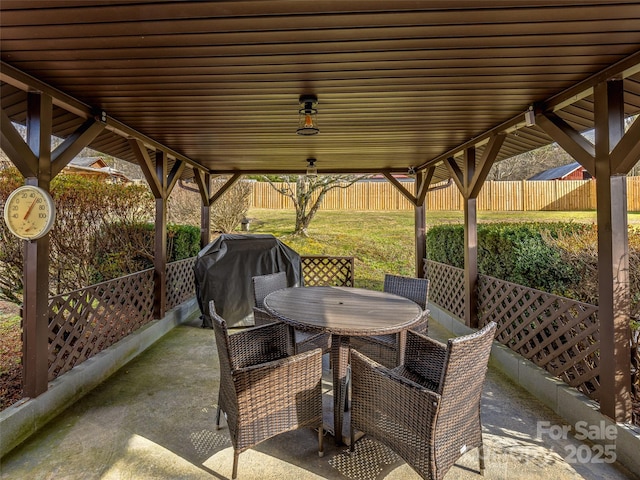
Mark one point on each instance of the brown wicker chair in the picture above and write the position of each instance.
(264, 389)
(384, 348)
(428, 409)
(263, 285)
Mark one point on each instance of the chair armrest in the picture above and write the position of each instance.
(391, 408)
(425, 357)
(423, 324)
(262, 317)
(262, 344)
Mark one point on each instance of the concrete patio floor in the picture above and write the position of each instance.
(155, 419)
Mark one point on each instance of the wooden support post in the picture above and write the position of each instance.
(420, 227)
(469, 181)
(160, 244)
(423, 180)
(470, 244)
(470, 263)
(203, 180)
(36, 256)
(613, 257)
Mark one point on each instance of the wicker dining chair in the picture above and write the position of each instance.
(263, 285)
(427, 410)
(265, 389)
(384, 348)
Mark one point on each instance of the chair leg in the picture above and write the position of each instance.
(321, 441)
(481, 458)
(352, 441)
(218, 418)
(234, 473)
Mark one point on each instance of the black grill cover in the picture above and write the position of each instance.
(224, 268)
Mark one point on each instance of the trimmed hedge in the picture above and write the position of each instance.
(123, 248)
(516, 252)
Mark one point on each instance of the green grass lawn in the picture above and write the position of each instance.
(382, 242)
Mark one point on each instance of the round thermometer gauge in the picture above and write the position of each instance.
(29, 212)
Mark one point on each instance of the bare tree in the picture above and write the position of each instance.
(308, 193)
(227, 212)
(529, 163)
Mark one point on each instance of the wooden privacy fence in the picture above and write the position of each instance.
(562, 195)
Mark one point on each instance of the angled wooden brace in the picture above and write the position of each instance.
(423, 188)
(394, 181)
(74, 143)
(16, 148)
(627, 152)
(147, 167)
(581, 149)
(234, 178)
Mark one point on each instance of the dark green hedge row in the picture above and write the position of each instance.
(515, 252)
(123, 248)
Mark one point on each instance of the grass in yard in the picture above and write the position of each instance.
(382, 242)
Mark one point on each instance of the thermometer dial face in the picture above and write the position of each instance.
(29, 212)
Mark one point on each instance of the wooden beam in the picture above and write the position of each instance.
(234, 178)
(624, 68)
(174, 175)
(456, 173)
(394, 181)
(160, 242)
(486, 162)
(26, 82)
(423, 188)
(35, 315)
(16, 148)
(74, 144)
(627, 152)
(569, 139)
(471, 262)
(203, 180)
(614, 309)
(147, 167)
(420, 222)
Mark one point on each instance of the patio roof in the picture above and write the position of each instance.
(400, 84)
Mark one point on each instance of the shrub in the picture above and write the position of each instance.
(232, 207)
(445, 244)
(123, 248)
(517, 253)
(183, 241)
(226, 213)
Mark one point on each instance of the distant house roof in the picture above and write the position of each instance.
(557, 173)
(95, 166)
(93, 162)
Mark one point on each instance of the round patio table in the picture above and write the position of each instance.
(343, 312)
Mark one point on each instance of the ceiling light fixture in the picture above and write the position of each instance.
(312, 171)
(307, 115)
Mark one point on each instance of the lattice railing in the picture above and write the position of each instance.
(320, 270)
(556, 333)
(86, 321)
(180, 282)
(446, 287)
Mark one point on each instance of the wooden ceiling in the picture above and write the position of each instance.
(400, 83)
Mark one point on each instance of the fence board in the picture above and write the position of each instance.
(552, 195)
